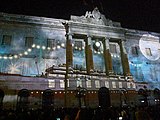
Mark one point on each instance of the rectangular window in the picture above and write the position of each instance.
(78, 45)
(120, 84)
(28, 41)
(68, 83)
(61, 83)
(113, 48)
(6, 40)
(113, 84)
(133, 85)
(148, 52)
(79, 83)
(135, 50)
(97, 83)
(106, 84)
(51, 83)
(128, 85)
(51, 43)
(88, 84)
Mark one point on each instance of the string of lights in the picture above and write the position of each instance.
(58, 46)
(29, 50)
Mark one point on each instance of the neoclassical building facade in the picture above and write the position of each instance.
(89, 51)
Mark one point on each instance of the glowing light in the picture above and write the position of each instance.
(31, 92)
(5, 57)
(29, 50)
(41, 92)
(43, 47)
(48, 48)
(63, 45)
(37, 92)
(72, 44)
(15, 56)
(33, 45)
(20, 54)
(99, 53)
(83, 48)
(54, 48)
(98, 44)
(38, 47)
(14, 68)
(26, 53)
(58, 46)
(10, 57)
(0, 57)
(76, 47)
(80, 49)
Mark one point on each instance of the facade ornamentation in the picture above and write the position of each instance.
(39, 54)
(95, 17)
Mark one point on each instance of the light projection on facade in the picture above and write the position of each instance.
(145, 59)
(150, 46)
(116, 58)
(79, 60)
(98, 57)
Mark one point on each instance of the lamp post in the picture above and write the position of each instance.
(66, 26)
(80, 93)
(145, 93)
(157, 96)
(123, 94)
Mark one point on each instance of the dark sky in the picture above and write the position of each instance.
(133, 14)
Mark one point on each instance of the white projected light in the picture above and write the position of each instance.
(98, 44)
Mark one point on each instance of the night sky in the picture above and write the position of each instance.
(133, 14)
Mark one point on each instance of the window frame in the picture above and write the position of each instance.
(148, 51)
(51, 83)
(29, 41)
(51, 43)
(6, 41)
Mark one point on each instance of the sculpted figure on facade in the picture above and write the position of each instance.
(94, 17)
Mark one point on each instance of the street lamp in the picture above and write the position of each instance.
(156, 96)
(80, 93)
(145, 93)
(123, 92)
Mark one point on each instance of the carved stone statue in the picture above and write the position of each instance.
(94, 17)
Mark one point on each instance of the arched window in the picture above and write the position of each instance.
(22, 101)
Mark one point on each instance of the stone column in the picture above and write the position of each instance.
(107, 57)
(89, 55)
(124, 59)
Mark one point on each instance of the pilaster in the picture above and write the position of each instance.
(107, 57)
(124, 58)
(89, 55)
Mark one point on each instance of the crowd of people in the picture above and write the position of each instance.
(112, 113)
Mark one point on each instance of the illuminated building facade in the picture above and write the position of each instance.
(89, 51)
